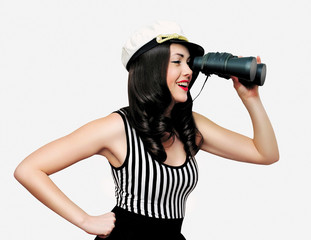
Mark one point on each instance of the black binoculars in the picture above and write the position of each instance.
(226, 65)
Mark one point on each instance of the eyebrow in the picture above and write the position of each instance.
(179, 54)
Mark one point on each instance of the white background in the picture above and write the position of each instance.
(60, 68)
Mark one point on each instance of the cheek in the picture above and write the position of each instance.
(171, 77)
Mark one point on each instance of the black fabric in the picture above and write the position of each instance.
(131, 226)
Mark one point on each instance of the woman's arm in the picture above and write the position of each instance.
(261, 149)
(33, 172)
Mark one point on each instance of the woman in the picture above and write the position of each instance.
(151, 144)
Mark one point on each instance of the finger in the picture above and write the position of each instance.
(235, 79)
(258, 59)
(113, 216)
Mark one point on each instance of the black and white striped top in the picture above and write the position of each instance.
(151, 188)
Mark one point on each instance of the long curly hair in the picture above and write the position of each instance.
(149, 99)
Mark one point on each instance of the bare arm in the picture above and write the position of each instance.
(261, 149)
(33, 172)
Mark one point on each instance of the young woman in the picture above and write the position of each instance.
(150, 145)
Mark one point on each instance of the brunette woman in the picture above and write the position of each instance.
(151, 144)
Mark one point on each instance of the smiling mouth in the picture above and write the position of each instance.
(183, 84)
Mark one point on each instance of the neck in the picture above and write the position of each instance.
(169, 109)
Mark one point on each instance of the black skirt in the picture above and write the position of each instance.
(132, 226)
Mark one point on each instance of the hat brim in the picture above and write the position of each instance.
(195, 50)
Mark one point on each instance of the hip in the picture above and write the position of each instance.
(130, 226)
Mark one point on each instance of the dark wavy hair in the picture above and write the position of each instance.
(149, 99)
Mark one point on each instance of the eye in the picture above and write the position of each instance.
(177, 62)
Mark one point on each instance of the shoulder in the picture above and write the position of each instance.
(196, 115)
(201, 120)
(101, 132)
(110, 137)
(213, 134)
(107, 126)
(208, 128)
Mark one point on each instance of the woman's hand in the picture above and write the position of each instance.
(244, 92)
(101, 225)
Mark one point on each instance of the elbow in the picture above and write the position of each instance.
(271, 160)
(21, 172)
(18, 173)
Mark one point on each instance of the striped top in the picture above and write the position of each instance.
(149, 187)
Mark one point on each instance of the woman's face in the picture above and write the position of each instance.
(178, 72)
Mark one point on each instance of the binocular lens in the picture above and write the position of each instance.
(260, 74)
(242, 67)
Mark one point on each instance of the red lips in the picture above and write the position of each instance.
(185, 88)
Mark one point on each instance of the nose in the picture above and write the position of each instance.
(187, 71)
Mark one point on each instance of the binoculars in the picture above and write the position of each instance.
(226, 65)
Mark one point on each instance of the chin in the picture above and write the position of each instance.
(180, 99)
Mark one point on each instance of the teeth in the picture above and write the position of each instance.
(183, 84)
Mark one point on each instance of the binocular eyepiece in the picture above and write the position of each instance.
(226, 65)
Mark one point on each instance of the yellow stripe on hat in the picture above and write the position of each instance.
(166, 37)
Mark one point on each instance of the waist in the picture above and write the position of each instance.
(144, 224)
